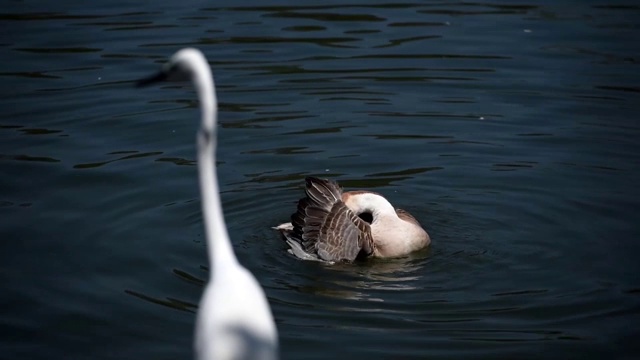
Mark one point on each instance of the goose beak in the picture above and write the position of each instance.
(160, 76)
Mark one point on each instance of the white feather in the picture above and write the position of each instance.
(234, 319)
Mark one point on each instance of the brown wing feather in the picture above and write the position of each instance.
(323, 192)
(343, 235)
(312, 211)
(326, 226)
(404, 215)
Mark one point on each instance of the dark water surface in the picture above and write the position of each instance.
(510, 129)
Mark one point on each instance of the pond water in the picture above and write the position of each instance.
(509, 129)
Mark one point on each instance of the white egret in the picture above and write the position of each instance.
(234, 319)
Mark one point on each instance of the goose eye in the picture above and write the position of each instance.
(367, 217)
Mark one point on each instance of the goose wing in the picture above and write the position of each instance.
(326, 226)
(406, 216)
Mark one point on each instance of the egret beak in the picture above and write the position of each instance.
(160, 76)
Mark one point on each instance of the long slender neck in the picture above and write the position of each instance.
(361, 202)
(218, 243)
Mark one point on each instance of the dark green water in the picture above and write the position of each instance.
(509, 129)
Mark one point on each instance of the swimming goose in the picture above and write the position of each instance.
(234, 319)
(331, 225)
